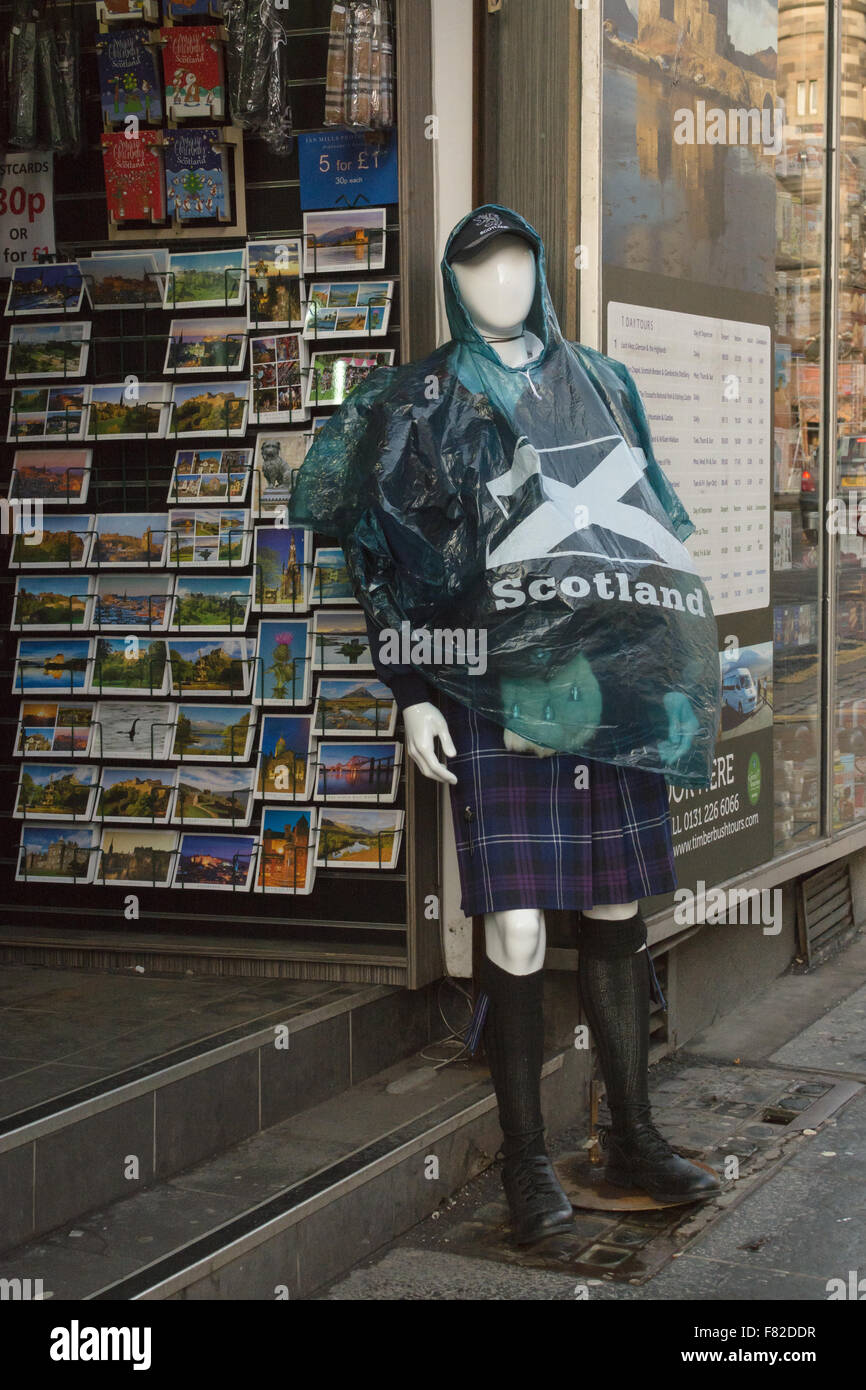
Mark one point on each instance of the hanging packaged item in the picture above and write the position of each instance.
(257, 72)
(512, 532)
(360, 72)
(21, 65)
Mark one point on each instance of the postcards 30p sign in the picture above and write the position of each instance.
(26, 208)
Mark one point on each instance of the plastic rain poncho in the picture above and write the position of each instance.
(511, 529)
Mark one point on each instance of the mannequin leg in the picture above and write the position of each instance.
(614, 977)
(512, 976)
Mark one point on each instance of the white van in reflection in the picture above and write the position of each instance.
(739, 691)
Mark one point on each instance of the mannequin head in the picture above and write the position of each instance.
(497, 285)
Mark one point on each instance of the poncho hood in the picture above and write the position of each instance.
(510, 529)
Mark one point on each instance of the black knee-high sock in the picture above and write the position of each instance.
(615, 991)
(514, 1039)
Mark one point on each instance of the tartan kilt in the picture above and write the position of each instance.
(526, 837)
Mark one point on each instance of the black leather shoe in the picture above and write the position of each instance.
(538, 1205)
(640, 1157)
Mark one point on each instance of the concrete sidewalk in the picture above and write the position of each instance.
(793, 1220)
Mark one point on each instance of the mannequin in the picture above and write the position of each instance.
(434, 504)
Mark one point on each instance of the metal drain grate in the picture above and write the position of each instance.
(825, 909)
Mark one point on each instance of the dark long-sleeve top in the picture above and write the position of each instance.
(404, 682)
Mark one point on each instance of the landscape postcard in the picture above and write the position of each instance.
(340, 640)
(64, 730)
(348, 308)
(144, 858)
(133, 602)
(209, 408)
(210, 665)
(220, 733)
(45, 289)
(357, 838)
(206, 280)
(281, 569)
(123, 280)
(53, 602)
(345, 239)
(332, 375)
(53, 475)
(286, 862)
(357, 771)
(135, 411)
(215, 861)
(48, 349)
(210, 475)
(331, 582)
(64, 544)
(52, 665)
(276, 290)
(208, 538)
(56, 791)
(65, 854)
(136, 796)
(211, 603)
(47, 412)
(132, 665)
(354, 707)
(206, 345)
(216, 796)
(127, 539)
(132, 729)
(285, 763)
(283, 666)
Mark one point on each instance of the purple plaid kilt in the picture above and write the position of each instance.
(534, 840)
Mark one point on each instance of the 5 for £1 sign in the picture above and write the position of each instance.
(26, 207)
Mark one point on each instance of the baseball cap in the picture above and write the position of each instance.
(481, 226)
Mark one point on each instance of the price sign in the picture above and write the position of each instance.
(341, 168)
(26, 208)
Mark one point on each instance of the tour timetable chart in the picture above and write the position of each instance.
(706, 385)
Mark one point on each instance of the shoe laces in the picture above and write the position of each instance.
(651, 1142)
(534, 1177)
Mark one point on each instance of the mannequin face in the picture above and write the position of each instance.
(497, 285)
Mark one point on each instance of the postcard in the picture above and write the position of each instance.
(218, 796)
(210, 475)
(143, 858)
(61, 542)
(136, 796)
(278, 457)
(53, 602)
(45, 289)
(48, 412)
(221, 733)
(48, 349)
(215, 861)
(52, 665)
(345, 239)
(208, 539)
(285, 763)
(206, 279)
(137, 410)
(210, 665)
(64, 730)
(283, 665)
(331, 582)
(281, 569)
(211, 408)
(340, 640)
(56, 791)
(348, 309)
(357, 771)
(355, 838)
(133, 729)
(354, 707)
(65, 854)
(133, 602)
(122, 280)
(206, 345)
(52, 475)
(333, 374)
(132, 664)
(276, 288)
(286, 862)
(278, 365)
(127, 539)
(211, 604)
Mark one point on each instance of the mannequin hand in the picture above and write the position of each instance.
(682, 726)
(424, 724)
(515, 744)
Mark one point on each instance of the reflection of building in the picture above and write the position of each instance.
(704, 21)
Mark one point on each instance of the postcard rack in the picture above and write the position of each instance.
(378, 922)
